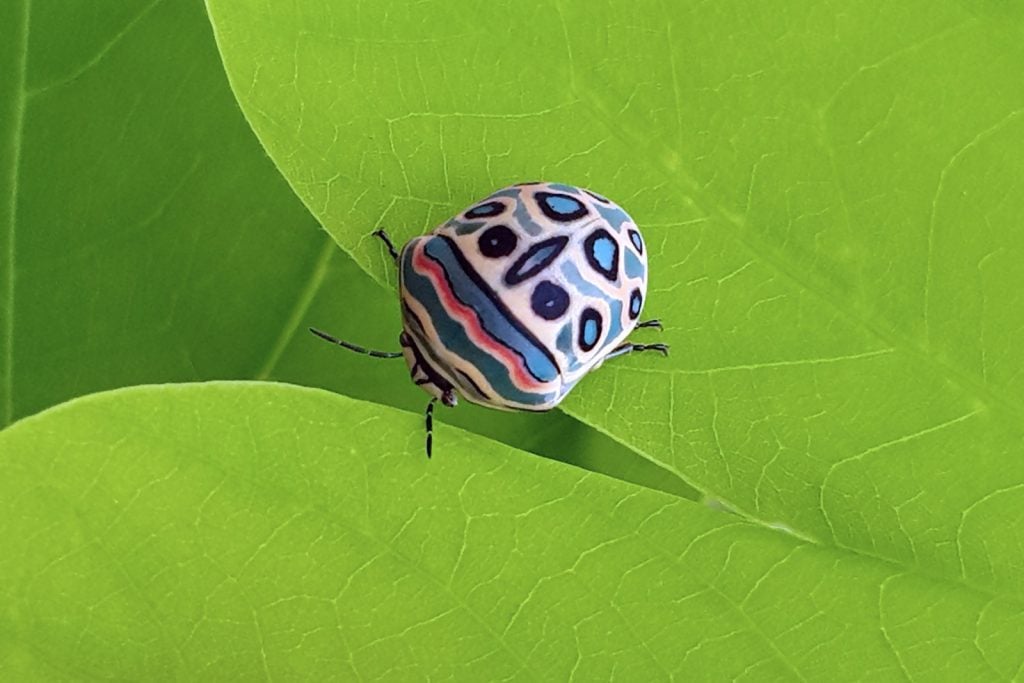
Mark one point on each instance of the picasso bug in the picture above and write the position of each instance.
(511, 302)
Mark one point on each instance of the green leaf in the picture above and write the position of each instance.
(233, 531)
(145, 236)
(830, 192)
(142, 231)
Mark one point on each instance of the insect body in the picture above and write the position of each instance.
(511, 302)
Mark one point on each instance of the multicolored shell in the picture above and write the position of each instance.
(513, 300)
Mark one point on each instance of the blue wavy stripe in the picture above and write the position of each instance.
(456, 341)
(497, 320)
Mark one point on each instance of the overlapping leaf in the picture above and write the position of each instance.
(832, 197)
(238, 531)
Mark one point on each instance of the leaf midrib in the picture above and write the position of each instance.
(16, 134)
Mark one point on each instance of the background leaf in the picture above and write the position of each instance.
(250, 530)
(145, 236)
(145, 227)
(832, 197)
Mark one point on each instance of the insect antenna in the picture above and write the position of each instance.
(355, 347)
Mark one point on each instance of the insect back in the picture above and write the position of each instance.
(512, 301)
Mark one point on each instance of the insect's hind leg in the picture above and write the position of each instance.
(379, 232)
(653, 322)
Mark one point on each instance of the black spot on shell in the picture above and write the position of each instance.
(497, 241)
(549, 301)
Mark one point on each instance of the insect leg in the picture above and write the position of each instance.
(623, 349)
(654, 322)
(430, 426)
(379, 232)
(355, 347)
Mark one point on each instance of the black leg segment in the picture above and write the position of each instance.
(379, 232)
(430, 426)
(355, 347)
(623, 349)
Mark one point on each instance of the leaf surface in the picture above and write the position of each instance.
(143, 228)
(250, 530)
(831, 195)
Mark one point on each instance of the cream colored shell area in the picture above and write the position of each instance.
(517, 297)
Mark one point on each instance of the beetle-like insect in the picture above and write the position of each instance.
(511, 302)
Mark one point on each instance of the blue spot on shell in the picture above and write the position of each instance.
(634, 237)
(536, 259)
(590, 329)
(564, 205)
(574, 278)
(604, 252)
(564, 341)
(634, 268)
(562, 208)
(636, 302)
(615, 216)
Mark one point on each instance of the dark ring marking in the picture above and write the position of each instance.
(598, 197)
(535, 259)
(590, 329)
(595, 249)
(634, 237)
(559, 207)
(636, 303)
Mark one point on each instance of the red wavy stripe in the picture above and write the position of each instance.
(471, 322)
